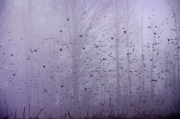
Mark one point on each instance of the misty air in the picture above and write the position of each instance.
(89, 59)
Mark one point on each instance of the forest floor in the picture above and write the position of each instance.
(99, 115)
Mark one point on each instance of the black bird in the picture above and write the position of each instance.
(124, 31)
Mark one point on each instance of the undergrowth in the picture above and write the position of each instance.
(98, 115)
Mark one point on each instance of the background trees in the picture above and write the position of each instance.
(81, 24)
(175, 33)
(122, 34)
(87, 54)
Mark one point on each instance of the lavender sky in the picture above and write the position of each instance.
(49, 54)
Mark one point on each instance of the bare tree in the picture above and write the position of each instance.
(122, 36)
(142, 57)
(27, 24)
(175, 12)
(81, 18)
(118, 41)
(130, 4)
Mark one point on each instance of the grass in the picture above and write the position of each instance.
(98, 115)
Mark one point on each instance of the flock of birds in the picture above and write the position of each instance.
(49, 67)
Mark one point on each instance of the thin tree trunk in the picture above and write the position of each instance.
(142, 56)
(128, 58)
(28, 34)
(166, 84)
(75, 53)
(177, 55)
(117, 54)
(152, 67)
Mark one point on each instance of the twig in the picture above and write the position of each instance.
(29, 110)
(6, 104)
(38, 113)
(64, 117)
(15, 114)
(69, 115)
(179, 108)
(94, 116)
(8, 116)
(88, 112)
(24, 113)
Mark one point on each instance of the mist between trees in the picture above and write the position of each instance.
(87, 55)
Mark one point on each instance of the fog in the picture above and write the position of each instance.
(78, 58)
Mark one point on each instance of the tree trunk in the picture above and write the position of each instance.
(75, 82)
(116, 45)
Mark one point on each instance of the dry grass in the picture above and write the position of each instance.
(99, 115)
